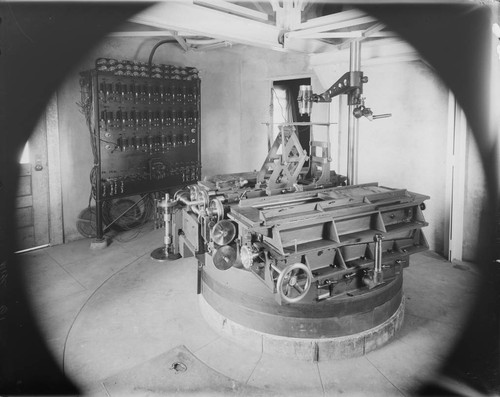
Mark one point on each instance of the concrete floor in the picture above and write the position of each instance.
(109, 316)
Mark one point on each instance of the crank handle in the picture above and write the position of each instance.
(381, 116)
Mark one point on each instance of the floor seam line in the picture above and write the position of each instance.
(320, 379)
(254, 368)
(208, 343)
(105, 389)
(81, 308)
(60, 264)
(386, 378)
(68, 273)
(73, 277)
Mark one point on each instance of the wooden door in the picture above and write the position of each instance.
(32, 202)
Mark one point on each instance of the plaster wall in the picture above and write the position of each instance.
(475, 199)
(408, 150)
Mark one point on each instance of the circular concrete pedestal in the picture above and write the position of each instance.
(236, 303)
(308, 349)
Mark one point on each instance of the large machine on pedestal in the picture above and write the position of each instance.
(306, 245)
(328, 255)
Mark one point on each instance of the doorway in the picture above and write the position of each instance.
(286, 110)
(38, 208)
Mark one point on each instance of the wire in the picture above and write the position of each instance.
(110, 142)
(133, 217)
(86, 108)
(150, 61)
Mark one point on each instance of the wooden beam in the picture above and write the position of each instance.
(332, 26)
(275, 4)
(372, 30)
(233, 9)
(181, 41)
(204, 47)
(342, 35)
(380, 51)
(259, 6)
(203, 21)
(331, 19)
(147, 33)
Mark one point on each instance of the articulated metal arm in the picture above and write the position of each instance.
(351, 83)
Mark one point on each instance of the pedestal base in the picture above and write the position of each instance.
(161, 255)
(98, 244)
(307, 349)
(236, 303)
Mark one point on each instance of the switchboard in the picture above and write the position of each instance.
(144, 121)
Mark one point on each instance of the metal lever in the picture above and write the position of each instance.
(381, 116)
(362, 111)
(377, 278)
(377, 266)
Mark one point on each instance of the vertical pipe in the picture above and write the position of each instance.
(97, 138)
(166, 218)
(353, 122)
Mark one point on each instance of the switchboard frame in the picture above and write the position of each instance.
(145, 129)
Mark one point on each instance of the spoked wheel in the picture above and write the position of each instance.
(294, 282)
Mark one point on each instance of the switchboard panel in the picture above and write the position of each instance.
(145, 126)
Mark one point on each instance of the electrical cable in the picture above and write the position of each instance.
(150, 61)
(135, 215)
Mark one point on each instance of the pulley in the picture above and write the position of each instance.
(193, 192)
(223, 232)
(224, 257)
(198, 198)
(216, 208)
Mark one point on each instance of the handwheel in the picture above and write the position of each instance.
(294, 282)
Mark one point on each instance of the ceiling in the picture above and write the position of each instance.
(302, 26)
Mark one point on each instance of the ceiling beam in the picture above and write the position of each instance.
(197, 20)
(373, 51)
(275, 4)
(331, 19)
(332, 26)
(342, 35)
(203, 21)
(181, 41)
(233, 9)
(374, 29)
(148, 33)
(259, 6)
